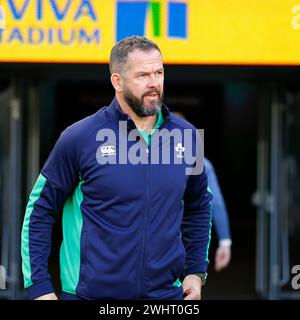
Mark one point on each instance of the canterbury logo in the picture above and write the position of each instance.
(108, 151)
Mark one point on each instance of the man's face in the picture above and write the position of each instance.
(143, 77)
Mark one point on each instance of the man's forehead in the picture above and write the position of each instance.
(139, 58)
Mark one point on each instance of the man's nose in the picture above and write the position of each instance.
(153, 81)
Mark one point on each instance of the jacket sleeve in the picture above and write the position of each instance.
(196, 223)
(55, 184)
(220, 214)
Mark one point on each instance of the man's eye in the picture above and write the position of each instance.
(143, 75)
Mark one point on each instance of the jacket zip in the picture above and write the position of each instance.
(140, 283)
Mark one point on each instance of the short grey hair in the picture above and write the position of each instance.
(120, 51)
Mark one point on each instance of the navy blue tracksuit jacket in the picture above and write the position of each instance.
(130, 231)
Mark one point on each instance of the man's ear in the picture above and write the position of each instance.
(117, 81)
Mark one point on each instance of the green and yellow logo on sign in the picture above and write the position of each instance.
(132, 18)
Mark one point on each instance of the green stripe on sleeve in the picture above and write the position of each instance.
(70, 251)
(33, 198)
(177, 283)
(210, 225)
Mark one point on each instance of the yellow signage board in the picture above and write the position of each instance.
(188, 31)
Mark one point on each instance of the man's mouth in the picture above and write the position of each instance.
(151, 94)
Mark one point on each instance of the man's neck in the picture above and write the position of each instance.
(144, 123)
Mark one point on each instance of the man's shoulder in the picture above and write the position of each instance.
(85, 127)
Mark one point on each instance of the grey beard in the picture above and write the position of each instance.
(139, 108)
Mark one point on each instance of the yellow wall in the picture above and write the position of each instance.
(218, 32)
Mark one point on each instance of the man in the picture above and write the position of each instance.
(220, 215)
(220, 219)
(126, 232)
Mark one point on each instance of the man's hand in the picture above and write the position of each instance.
(222, 258)
(192, 287)
(49, 296)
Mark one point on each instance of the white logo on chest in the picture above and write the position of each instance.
(108, 151)
(179, 149)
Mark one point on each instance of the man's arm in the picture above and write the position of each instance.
(196, 231)
(220, 219)
(54, 185)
